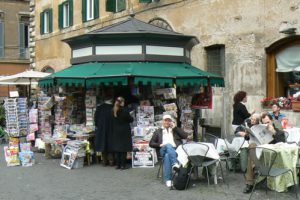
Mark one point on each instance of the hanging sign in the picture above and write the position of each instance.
(203, 98)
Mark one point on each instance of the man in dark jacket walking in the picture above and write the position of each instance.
(103, 133)
(166, 140)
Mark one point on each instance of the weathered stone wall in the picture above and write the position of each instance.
(245, 27)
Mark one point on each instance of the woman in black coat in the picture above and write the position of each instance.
(122, 142)
(240, 112)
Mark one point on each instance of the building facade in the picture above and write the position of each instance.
(244, 41)
(14, 39)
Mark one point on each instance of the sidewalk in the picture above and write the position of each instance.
(46, 180)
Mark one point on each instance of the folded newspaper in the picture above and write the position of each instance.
(259, 134)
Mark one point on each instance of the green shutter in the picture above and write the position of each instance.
(42, 23)
(145, 1)
(96, 9)
(50, 21)
(60, 16)
(83, 10)
(22, 40)
(71, 12)
(110, 5)
(121, 5)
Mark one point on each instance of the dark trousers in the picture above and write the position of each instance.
(121, 159)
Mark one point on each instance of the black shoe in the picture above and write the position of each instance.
(248, 189)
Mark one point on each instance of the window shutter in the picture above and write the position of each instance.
(60, 16)
(145, 1)
(71, 12)
(121, 5)
(96, 9)
(50, 21)
(111, 5)
(83, 10)
(1, 39)
(42, 23)
(22, 40)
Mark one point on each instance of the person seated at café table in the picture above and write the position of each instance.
(166, 139)
(240, 130)
(278, 136)
(276, 115)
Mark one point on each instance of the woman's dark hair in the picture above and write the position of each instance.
(239, 96)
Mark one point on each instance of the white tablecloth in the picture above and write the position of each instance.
(235, 145)
(183, 158)
(294, 134)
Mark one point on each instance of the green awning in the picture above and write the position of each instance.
(153, 73)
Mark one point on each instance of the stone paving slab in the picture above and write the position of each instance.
(46, 180)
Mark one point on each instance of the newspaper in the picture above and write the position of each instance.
(259, 134)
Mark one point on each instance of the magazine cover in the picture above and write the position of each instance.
(68, 159)
(11, 155)
(142, 155)
(25, 147)
(145, 116)
(27, 158)
(170, 107)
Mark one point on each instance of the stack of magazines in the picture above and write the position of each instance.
(73, 154)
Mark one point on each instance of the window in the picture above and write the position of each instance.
(283, 63)
(65, 15)
(24, 36)
(216, 59)
(115, 5)
(46, 21)
(90, 10)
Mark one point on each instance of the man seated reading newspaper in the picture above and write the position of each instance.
(166, 139)
(265, 133)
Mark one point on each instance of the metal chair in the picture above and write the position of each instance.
(264, 166)
(196, 153)
(209, 138)
(231, 154)
(160, 171)
(160, 168)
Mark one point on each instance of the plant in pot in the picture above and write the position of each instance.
(296, 102)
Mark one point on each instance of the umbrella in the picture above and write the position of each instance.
(24, 78)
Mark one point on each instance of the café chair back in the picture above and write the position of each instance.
(263, 159)
(196, 153)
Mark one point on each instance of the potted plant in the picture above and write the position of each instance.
(284, 102)
(296, 102)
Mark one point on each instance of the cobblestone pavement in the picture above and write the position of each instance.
(46, 180)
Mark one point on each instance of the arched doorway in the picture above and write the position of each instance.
(48, 69)
(160, 22)
(283, 56)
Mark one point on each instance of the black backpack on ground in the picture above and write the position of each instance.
(180, 178)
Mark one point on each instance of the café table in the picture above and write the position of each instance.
(287, 157)
(293, 134)
(212, 153)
